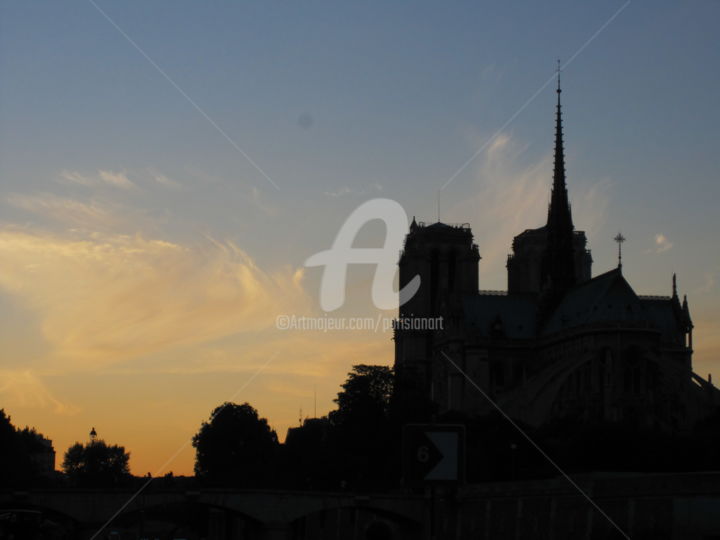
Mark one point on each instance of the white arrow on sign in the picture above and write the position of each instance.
(448, 445)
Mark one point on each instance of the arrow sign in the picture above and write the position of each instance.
(433, 453)
(447, 444)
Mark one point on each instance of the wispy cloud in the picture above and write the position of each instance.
(298, 354)
(68, 211)
(23, 388)
(102, 177)
(104, 297)
(509, 197)
(374, 187)
(165, 181)
(75, 177)
(662, 243)
(258, 200)
(709, 282)
(119, 180)
(491, 72)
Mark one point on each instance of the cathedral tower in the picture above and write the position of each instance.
(446, 259)
(553, 258)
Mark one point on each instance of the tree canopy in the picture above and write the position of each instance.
(96, 464)
(365, 395)
(17, 447)
(235, 446)
(365, 439)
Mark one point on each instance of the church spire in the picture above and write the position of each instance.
(559, 264)
(559, 214)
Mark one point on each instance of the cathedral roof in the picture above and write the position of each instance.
(460, 229)
(515, 313)
(439, 225)
(605, 298)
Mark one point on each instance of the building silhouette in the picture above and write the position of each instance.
(558, 343)
(42, 456)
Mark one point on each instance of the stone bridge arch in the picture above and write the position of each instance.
(192, 519)
(357, 522)
(220, 514)
(18, 518)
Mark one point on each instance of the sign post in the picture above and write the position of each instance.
(433, 455)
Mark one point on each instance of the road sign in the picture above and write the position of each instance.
(433, 453)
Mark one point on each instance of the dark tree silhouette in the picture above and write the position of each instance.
(365, 395)
(96, 464)
(235, 447)
(17, 447)
(9, 454)
(365, 440)
(7, 430)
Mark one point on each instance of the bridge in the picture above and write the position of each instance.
(216, 513)
(659, 506)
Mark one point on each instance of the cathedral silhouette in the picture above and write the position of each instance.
(558, 344)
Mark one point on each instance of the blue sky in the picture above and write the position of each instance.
(116, 193)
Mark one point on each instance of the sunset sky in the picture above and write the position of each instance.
(167, 167)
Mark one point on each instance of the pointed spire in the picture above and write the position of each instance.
(559, 212)
(674, 288)
(559, 173)
(559, 261)
(686, 312)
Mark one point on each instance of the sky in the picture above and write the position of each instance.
(166, 168)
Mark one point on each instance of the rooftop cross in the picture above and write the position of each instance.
(619, 239)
